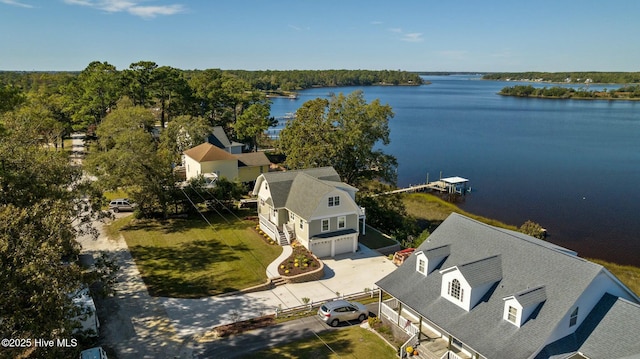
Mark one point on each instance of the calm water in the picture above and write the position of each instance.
(572, 166)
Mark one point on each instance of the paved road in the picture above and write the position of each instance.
(255, 340)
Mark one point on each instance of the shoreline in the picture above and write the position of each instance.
(574, 98)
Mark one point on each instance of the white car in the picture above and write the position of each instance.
(338, 311)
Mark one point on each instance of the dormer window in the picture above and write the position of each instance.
(512, 315)
(421, 265)
(574, 317)
(334, 201)
(455, 291)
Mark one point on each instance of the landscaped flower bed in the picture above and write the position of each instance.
(299, 262)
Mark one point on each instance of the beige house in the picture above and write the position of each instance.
(207, 159)
(312, 206)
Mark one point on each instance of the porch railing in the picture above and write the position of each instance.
(289, 233)
(409, 343)
(268, 227)
(389, 311)
(450, 355)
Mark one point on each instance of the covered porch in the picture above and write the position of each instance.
(430, 341)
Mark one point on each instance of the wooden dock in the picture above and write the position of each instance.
(445, 185)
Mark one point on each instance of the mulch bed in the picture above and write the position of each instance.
(305, 260)
(243, 326)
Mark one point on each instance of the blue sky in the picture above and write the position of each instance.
(419, 35)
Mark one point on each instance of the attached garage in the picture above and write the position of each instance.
(321, 248)
(344, 244)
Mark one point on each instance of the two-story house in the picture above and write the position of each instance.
(312, 206)
(488, 292)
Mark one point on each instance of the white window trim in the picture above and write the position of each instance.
(573, 318)
(342, 219)
(512, 317)
(322, 222)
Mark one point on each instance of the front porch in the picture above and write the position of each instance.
(430, 342)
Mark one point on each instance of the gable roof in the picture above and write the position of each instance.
(486, 270)
(525, 260)
(301, 190)
(530, 297)
(207, 152)
(219, 138)
(252, 159)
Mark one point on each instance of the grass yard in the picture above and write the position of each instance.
(186, 258)
(352, 342)
(433, 209)
(374, 239)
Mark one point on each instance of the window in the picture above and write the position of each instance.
(325, 225)
(334, 201)
(301, 224)
(574, 317)
(292, 216)
(512, 315)
(421, 265)
(342, 222)
(455, 290)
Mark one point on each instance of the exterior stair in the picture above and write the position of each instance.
(282, 240)
(278, 281)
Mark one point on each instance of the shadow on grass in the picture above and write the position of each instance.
(184, 270)
(194, 221)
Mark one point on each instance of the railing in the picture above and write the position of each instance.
(396, 318)
(268, 227)
(450, 355)
(289, 233)
(411, 342)
(317, 303)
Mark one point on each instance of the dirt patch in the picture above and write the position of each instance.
(237, 328)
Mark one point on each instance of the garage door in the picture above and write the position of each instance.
(344, 245)
(321, 249)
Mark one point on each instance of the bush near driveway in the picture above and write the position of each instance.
(187, 258)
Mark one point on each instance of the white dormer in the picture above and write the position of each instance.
(428, 260)
(466, 284)
(519, 307)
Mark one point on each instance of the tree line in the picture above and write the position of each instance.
(568, 77)
(622, 93)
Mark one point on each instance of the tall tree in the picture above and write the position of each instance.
(93, 93)
(129, 158)
(140, 78)
(43, 207)
(169, 89)
(341, 132)
(182, 133)
(253, 122)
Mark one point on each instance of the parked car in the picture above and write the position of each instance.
(121, 204)
(338, 311)
(93, 353)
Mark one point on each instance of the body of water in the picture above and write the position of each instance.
(573, 166)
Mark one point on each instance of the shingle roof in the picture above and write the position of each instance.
(253, 159)
(438, 252)
(530, 297)
(525, 261)
(610, 331)
(207, 152)
(482, 271)
(301, 190)
(219, 138)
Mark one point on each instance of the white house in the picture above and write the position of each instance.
(207, 159)
(488, 292)
(312, 206)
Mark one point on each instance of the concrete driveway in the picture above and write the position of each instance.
(345, 274)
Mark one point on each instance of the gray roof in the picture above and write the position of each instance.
(530, 297)
(610, 331)
(301, 190)
(526, 262)
(219, 138)
(486, 270)
(437, 252)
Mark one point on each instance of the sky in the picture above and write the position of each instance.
(418, 35)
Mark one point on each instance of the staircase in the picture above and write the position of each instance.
(283, 239)
(278, 281)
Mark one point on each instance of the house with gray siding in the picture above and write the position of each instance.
(313, 206)
(488, 292)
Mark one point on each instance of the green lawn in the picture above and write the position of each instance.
(187, 258)
(352, 342)
(374, 239)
